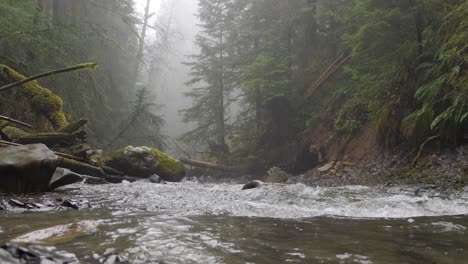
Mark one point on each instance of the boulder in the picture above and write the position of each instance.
(327, 167)
(156, 179)
(252, 185)
(144, 162)
(277, 175)
(26, 169)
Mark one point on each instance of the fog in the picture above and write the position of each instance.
(168, 82)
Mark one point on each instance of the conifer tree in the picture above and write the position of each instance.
(212, 74)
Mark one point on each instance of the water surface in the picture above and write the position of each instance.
(217, 223)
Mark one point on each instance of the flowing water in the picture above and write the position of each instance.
(217, 223)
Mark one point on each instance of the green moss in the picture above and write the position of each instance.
(145, 161)
(14, 133)
(43, 100)
(464, 172)
(168, 165)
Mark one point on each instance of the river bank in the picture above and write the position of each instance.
(446, 169)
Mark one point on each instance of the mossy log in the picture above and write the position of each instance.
(11, 120)
(43, 100)
(80, 66)
(49, 139)
(73, 127)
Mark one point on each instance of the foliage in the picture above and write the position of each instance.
(444, 89)
(407, 75)
(212, 75)
(35, 38)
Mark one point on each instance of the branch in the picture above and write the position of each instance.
(11, 120)
(35, 77)
(421, 148)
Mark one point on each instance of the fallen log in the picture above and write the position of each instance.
(73, 127)
(42, 75)
(81, 168)
(76, 150)
(86, 169)
(14, 121)
(112, 171)
(342, 59)
(48, 139)
(214, 166)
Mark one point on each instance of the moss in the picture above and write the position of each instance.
(42, 100)
(464, 173)
(168, 165)
(145, 161)
(14, 133)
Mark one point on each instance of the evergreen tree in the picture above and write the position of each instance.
(212, 74)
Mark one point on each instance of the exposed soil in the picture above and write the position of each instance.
(445, 169)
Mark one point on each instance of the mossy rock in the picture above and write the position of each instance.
(43, 101)
(144, 162)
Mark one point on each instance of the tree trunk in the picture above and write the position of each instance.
(142, 39)
(221, 129)
(214, 166)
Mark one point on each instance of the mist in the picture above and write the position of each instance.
(167, 83)
(233, 131)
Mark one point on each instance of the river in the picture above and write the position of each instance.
(192, 222)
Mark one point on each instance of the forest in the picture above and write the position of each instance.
(282, 81)
(354, 111)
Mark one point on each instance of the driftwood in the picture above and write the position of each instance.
(11, 120)
(35, 77)
(214, 166)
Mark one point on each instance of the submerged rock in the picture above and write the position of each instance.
(39, 204)
(12, 253)
(26, 169)
(276, 175)
(253, 185)
(144, 162)
(111, 258)
(156, 179)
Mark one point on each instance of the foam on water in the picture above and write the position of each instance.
(276, 201)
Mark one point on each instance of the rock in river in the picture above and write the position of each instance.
(144, 162)
(276, 175)
(26, 169)
(253, 185)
